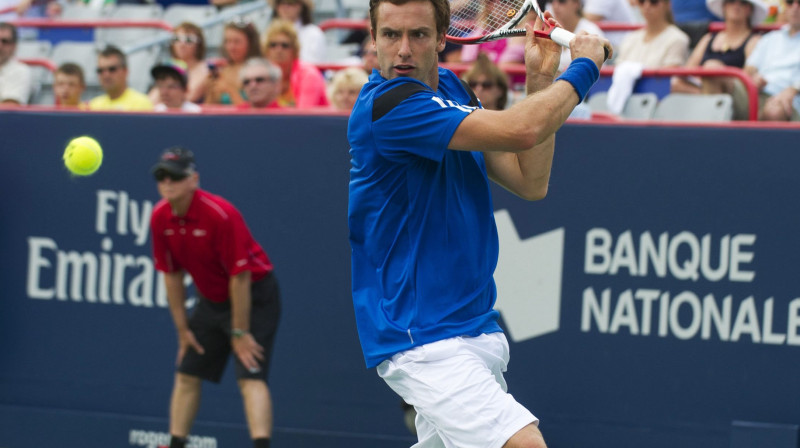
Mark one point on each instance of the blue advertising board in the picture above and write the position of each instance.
(650, 300)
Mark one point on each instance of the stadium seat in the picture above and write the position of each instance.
(34, 49)
(139, 65)
(640, 106)
(128, 35)
(197, 14)
(688, 107)
(260, 17)
(81, 53)
(80, 11)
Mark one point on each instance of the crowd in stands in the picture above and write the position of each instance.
(283, 66)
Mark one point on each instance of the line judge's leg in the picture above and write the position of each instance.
(184, 404)
(257, 407)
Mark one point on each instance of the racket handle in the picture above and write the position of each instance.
(564, 37)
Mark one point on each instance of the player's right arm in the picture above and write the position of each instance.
(532, 120)
(518, 142)
(176, 297)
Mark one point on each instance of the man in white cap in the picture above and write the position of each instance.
(775, 68)
(15, 77)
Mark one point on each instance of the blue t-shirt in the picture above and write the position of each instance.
(422, 231)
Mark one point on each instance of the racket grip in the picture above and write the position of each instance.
(564, 37)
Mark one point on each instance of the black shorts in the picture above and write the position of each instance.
(211, 324)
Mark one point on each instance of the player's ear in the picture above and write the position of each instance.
(442, 42)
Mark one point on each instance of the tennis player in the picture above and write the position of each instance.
(422, 231)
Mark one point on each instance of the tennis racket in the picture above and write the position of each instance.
(478, 21)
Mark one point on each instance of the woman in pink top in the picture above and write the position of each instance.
(302, 84)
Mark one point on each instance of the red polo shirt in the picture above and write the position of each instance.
(211, 242)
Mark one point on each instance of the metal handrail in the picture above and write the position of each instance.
(519, 69)
(103, 23)
(46, 63)
(356, 24)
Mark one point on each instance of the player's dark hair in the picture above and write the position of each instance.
(71, 69)
(112, 51)
(441, 11)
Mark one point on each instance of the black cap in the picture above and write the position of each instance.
(176, 161)
(174, 68)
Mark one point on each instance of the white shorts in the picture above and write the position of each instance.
(457, 388)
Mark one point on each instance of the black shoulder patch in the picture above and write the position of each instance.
(473, 99)
(388, 100)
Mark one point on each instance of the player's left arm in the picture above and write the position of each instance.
(527, 173)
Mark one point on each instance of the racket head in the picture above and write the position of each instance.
(476, 21)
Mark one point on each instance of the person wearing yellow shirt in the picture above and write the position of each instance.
(112, 71)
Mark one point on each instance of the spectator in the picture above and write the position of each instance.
(112, 70)
(15, 77)
(261, 83)
(775, 68)
(660, 43)
(189, 45)
(302, 84)
(493, 49)
(489, 83)
(312, 39)
(240, 43)
(69, 84)
(369, 55)
(619, 11)
(172, 86)
(345, 86)
(39, 9)
(727, 48)
(693, 18)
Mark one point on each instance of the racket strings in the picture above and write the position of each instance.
(474, 17)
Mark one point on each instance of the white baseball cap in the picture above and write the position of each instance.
(758, 15)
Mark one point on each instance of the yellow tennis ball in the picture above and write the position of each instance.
(83, 156)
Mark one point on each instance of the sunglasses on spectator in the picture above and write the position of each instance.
(288, 2)
(257, 80)
(241, 23)
(652, 2)
(6, 41)
(485, 85)
(284, 45)
(161, 175)
(110, 69)
(186, 39)
(792, 2)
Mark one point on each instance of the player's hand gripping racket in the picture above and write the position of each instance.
(477, 21)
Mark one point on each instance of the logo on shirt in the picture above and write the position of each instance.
(528, 278)
(199, 232)
(450, 103)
